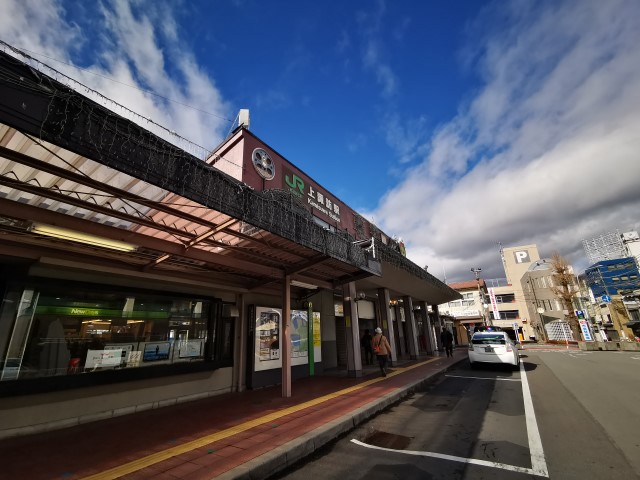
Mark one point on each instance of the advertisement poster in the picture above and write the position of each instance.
(268, 329)
(299, 337)
(126, 349)
(190, 348)
(268, 332)
(317, 343)
(103, 358)
(156, 351)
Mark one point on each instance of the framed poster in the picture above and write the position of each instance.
(299, 337)
(190, 348)
(126, 348)
(268, 331)
(103, 358)
(317, 343)
(154, 351)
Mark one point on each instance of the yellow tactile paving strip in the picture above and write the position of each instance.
(162, 455)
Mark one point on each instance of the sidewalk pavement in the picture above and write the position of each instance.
(246, 435)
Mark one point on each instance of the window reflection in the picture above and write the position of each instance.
(52, 332)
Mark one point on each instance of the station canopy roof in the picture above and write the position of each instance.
(84, 189)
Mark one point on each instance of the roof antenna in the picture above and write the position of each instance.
(241, 120)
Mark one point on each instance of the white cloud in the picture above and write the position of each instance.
(545, 153)
(373, 55)
(137, 43)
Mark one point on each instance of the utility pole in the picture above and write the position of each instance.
(477, 271)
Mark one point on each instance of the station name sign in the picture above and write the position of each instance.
(312, 195)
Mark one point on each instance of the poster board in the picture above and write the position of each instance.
(103, 358)
(317, 340)
(190, 348)
(299, 337)
(126, 349)
(154, 351)
(268, 333)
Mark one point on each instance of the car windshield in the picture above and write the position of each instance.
(488, 339)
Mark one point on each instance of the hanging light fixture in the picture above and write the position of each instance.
(87, 239)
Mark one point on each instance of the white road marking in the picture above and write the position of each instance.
(472, 461)
(538, 462)
(486, 378)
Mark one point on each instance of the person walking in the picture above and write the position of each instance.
(365, 342)
(382, 349)
(447, 341)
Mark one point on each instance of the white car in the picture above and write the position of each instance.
(493, 347)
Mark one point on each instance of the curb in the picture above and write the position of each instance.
(285, 456)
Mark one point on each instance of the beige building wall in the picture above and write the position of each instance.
(517, 261)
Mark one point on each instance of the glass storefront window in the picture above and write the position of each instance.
(53, 331)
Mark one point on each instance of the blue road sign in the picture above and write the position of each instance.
(606, 298)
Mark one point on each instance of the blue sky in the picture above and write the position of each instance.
(454, 125)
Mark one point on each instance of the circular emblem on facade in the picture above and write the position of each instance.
(263, 164)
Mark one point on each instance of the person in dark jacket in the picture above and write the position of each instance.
(447, 341)
(365, 343)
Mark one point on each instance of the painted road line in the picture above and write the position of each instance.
(453, 458)
(162, 455)
(486, 378)
(538, 462)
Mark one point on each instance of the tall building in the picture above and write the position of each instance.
(613, 280)
(615, 284)
(612, 245)
(507, 301)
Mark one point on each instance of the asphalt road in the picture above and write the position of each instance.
(565, 415)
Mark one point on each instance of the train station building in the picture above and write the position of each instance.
(135, 274)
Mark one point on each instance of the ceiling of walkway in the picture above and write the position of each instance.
(43, 185)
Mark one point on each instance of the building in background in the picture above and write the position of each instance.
(613, 280)
(468, 312)
(615, 285)
(507, 301)
(546, 312)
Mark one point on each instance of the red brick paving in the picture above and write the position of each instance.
(80, 451)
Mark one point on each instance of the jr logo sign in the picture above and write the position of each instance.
(522, 256)
(295, 183)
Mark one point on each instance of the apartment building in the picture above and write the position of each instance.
(468, 312)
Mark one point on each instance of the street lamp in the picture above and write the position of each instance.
(477, 271)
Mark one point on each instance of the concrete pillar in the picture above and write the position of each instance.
(412, 331)
(438, 325)
(285, 343)
(385, 320)
(426, 326)
(402, 350)
(241, 345)
(354, 360)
